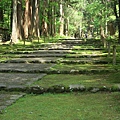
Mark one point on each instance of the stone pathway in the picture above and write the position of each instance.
(24, 67)
(20, 72)
(31, 64)
(18, 80)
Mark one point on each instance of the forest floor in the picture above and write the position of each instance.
(78, 69)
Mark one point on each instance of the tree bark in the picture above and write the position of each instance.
(36, 19)
(117, 17)
(26, 23)
(61, 29)
(14, 23)
(119, 23)
(102, 36)
(19, 20)
(44, 25)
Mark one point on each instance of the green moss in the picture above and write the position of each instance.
(81, 106)
(90, 80)
(87, 67)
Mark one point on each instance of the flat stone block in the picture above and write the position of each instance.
(41, 55)
(77, 87)
(33, 60)
(2, 86)
(6, 99)
(24, 67)
(18, 80)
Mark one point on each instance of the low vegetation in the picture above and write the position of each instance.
(89, 80)
(73, 106)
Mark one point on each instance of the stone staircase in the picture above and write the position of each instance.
(25, 66)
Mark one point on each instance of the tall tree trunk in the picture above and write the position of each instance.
(11, 15)
(19, 20)
(44, 25)
(36, 30)
(51, 18)
(30, 17)
(119, 23)
(38, 18)
(61, 29)
(26, 23)
(54, 19)
(14, 23)
(66, 19)
(117, 17)
(32, 10)
(49, 14)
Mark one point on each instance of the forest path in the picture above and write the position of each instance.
(18, 73)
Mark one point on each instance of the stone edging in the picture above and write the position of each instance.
(60, 89)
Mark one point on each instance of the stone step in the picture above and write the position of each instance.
(24, 67)
(40, 52)
(98, 51)
(96, 59)
(85, 61)
(72, 39)
(34, 55)
(79, 39)
(59, 60)
(81, 42)
(7, 99)
(68, 45)
(63, 55)
(18, 80)
(33, 60)
(49, 69)
(15, 85)
(55, 49)
(36, 89)
(86, 55)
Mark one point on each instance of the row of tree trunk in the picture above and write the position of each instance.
(37, 18)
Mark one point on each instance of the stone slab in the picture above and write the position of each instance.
(52, 51)
(61, 55)
(24, 67)
(7, 99)
(35, 55)
(55, 46)
(20, 80)
(42, 55)
(40, 52)
(33, 60)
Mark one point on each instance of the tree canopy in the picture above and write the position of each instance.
(78, 18)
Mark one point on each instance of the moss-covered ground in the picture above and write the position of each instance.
(89, 80)
(72, 106)
(68, 106)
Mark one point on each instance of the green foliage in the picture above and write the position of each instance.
(5, 6)
(98, 11)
